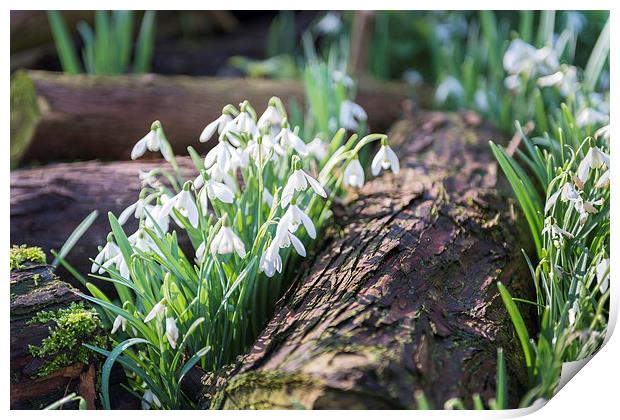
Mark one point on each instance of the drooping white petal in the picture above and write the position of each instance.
(124, 216)
(354, 174)
(209, 130)
(158, 309)
(119, 322)
(149, 399)
(316, 185)
(172, 332)
(139, 149)
(602, 274)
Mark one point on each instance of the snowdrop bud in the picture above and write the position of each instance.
(354, 174)
(158, 309)
(385, 158)
(119, 322)
(149, 399)
(172, 333)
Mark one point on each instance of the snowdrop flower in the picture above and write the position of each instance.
(200, 251)
(226, 241)
(260, 151)
(214, 190)
(153, 141)
(285, 238)
(293, 217)
(142, 241)
(119, 322)
(184, 203)
(220, 155)
(344, 78)
(590, 116)
(385, 158)
(216, 173)
(243, 123)
(556, 232)
(329, 24)
(270, 118)
(119, 262)
(298, 181)
(449, 87)
(267, 197)
(172, 332)
(354, 174)
(109, 251)
(137, 209)
(602, 132)
(523, 58)
(351, 115)
(603, 181)
(270, 261)
(157, 217)
(594, 159)
(565, 80)
(572, 313)
(318, 148)
(287, 138)
(158, 309)
(218, 125)
(567, 193)
(149, 399)
(602, 274)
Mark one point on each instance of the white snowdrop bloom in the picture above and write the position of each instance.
(385, 158)
(603, 181)
(270, 261)
(226, 241)
(242, 123)
(109, 251)
(184, 203)
(239, 158)
(150, 400)
(157, 216)
(148, 178)
(121, 265)
(590, 116)
(201, 251)
(218, 125)
(217, 174)
(267, 197)
(594, 159)
(572, 313)
(512, 82)
(565, 80)
(602, 132)
(329, 24)
(137, 209)
(351, 115)
(172, 332)
(220, 155)
(271, 117)
(567, 192)
(293, 217)
(288, 138)
(341, 76)
(284, 238)
(119, 322)
(158, 309)
(449, 87)
(602, 274)
(260, 152)
(152, 141)
(555, 231)
(318, 148)
(298, 181)
(142, 241)
(354, 174)
(219, 190)
(521, 57)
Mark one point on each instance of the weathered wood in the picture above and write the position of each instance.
(35, 288)
(62, 117)
(48, 203)
(404, 298)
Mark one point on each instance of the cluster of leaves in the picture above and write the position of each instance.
(71, 328)
(107, 48)
(25, 254)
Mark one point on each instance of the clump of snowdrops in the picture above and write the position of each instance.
(260, 199)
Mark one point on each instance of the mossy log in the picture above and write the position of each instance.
(34, 289)
(48, 203)
(56, 116)
(403, 298)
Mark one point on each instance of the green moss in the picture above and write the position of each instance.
(22, 254)
(71, 328)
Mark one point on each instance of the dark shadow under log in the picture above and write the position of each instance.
(403, 298)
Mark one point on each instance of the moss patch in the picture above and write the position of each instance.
(71, 327)
(23, 254)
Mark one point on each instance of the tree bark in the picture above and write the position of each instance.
(62, 117)
(403, 297)
(48, 203)
(33, 289)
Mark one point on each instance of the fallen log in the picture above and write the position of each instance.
(48, 203)
(56, 116)
(403, 299)
(34, 384)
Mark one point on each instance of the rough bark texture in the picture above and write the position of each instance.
(62, 117)
(48, 203)
(404, 297)
(33, 289)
